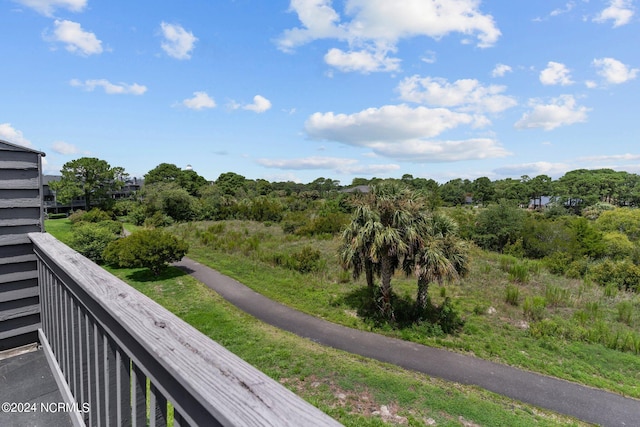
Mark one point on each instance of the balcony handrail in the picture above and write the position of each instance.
(119, 351)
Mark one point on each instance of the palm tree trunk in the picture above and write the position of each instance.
(385, 287)
(368, 271)
(423, 294)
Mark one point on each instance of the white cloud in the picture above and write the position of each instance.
(199, 101)
(260, 104)
(76, 39)
(614, 71)
(387, 123)
(47, 7)
(318, 20)
(110, 88)
(12, 135)
(500, 70)
(381, 20)
(178, 42)
(401, 132)
(567, 8)
(364, 61)
(337, 164)
(555, 74)
(429, 57)
(612, 157)
(430, 151)
(376, 26)
(65, 148)
(464, 94)
(619, 11)
(561, 111)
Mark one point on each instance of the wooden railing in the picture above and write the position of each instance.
(126, 360)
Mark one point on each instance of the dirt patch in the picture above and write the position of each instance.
(356, 402)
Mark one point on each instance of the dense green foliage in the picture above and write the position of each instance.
(91, 238)
(149, 248)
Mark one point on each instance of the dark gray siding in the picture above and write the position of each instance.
(20, 213)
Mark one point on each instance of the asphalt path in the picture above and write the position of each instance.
(585, 403)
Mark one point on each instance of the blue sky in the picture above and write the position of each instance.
(301, 89)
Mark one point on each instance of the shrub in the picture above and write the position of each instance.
(330, 223)
(577, 269)
(618, 245)
(158, 219)
(307, 260)
(76, 216)
(137, 215)
(152, 249)
(557, 262)
(91, 239)
(448, 317)
(624, 274)
(96, 215)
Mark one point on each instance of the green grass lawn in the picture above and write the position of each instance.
(60, 228)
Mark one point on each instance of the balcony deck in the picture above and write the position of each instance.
(26, 378)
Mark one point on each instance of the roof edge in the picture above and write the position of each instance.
(21, 147)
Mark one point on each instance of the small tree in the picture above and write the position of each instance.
(152, 249)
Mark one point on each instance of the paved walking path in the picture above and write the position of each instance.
(585, 403)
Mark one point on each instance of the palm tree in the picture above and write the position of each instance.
(356, 245)
(439, 256)
(382, 228)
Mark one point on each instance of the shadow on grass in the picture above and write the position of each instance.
(406, 314)
(145, 275)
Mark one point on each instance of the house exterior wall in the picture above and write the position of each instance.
(20, 213)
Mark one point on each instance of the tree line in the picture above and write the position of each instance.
(94, 179)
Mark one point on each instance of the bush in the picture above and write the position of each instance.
(330, 223)
(623, 274)
(96, 215)
(158, 219)
(558, 262)
(76, 216)
(448, 317)
(152, 249)
(307, 260)
(91, 239)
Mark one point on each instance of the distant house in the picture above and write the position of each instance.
(541, 202)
